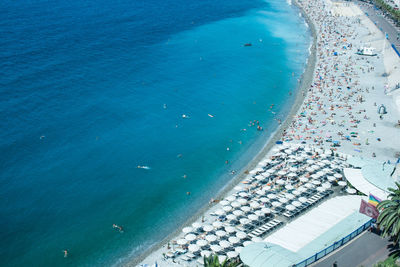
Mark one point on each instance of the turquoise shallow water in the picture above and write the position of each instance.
(82, 105)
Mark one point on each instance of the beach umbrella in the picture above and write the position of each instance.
(276, 203)
(290, 207)
(238, 188)
(260, 192)
(221, 258)
(217, 224)
(190, 237)
(219, 212)
(320, 189)
(196, 225)
(271, 171)
(201, 243)
(238, 249)
(252, 172)
(224, 202)
(230, 229)
(231, 217)
(283, 200)
(342, 183)
(236, 204)
(215, 248)
(309, 185)
(234, 240)
(244, 221)
(232, 254)
(243, 194)
(242, 201)
(338, 175)
(224, 244)
(227, 208)
(302, 199)
(187, 229)
(257, 239)
(260, 177)
(350, 190)
(231, 198)
(259, 213)
(220, 233)
(292, 175)
(282, 172)
(314, 176)
(272, 196)
(182, 241)
(259, 169)
(289, 196)
(267, 187)
(208, 228)
(331, 178)
(296, 192)
(266, 210)
(205, 253)
(265, 174)
(193, 248)
(321, 173)
(316, 182)
(296, 203)
(293, 169)
(253, 217)
(254, 205)
(241, 235)
(289, 187)
(302, 189)
(211, 238)
(303, 179)
(281, 182)
(326, 185)
(245, 208)
(238, 212)
(264, 200)
(310, 161)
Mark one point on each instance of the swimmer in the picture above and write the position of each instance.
(188, 193)
(65, 253)
(165, 106)
(117, 227)
(211, 116)
(42, 137)
(184, 176)
(185, 116)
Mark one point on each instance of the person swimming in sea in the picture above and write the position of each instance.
(65, 253)
(117, 227)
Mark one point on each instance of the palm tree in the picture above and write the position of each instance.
(389, 215)
(213, 261)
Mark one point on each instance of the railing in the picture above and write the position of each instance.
(395, 50)
(334, 246)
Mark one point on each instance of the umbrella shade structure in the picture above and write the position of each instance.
(234, 240)
(283, 200)
(190, 237)
(282, 172)
(264, 200)
(292, 175)
(221, 258)
(201, 243)
(193, 248)
(315, 176)
(316, 182)
(290, 207)
(260, 177)
(296, 203)
(211, 238)
(303, 179)
(338, 175)
(289, 187)
(206, 253)
(241, 235)
(217, 224)
(227, 208)
(238, 212)
(331, 178)
(220, 233)
(309, 185)
(351, 190)
(224, 202)
(259, 213)
(252, 172)
(302, 189)
(224, 244)
(272, 196)
(220, 212)
(236, 204)
(281, 182)
(302, 199)
(245, 208)
(276, 203)
(231, 217)
(309, 169)
(289, 196)
(231, 198)
(260, 192)
(253, 217)
(321, 173)
(232, 254)
(259, 169)
(187, 229)
(244, 221)
(230, 229)
(196, 225)
(326, 185)
(321, 189)
(242, 201)
(216, 248)
(296, 192)
(237, 188)
(254, 205)
(293, 169)
(266, 210)
(310, 161)
(208, 228)
(243, 194)
(181, 241)
(271, 171)
(342, 183)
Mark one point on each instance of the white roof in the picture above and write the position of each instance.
(313, 224)
(356, 178)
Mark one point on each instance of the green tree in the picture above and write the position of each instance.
(389, 262)
(389, 214)
(213, 261)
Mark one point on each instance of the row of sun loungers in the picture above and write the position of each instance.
(270, 226)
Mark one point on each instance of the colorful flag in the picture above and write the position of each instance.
(373, 200)
(368, 209)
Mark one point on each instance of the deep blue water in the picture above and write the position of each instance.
(83, 86)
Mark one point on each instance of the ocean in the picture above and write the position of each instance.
(90, 90)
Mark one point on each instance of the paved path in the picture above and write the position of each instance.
(366, 250)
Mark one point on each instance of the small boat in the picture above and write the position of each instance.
(248, 44)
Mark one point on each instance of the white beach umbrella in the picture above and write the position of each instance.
(351, 190)
(309, 169)
(280, 181)
(260, 177)
(254, 205)
(260, 192)
(342, 183)
(266, 210)
(271, 171)
(276, 203)
(238, 212)
(265, 174)
(321, 173)
(289, 187)
(296, 192)
(267, 187)
(205, 253)
(224, 202)
(244, 221)
(227, 208)
(338, 175)
(234, 240)
(283, 200)
(238, 249)
(296, 203)
(238, 188)
(321, 189)
(219, 212)
(331, 178)
(292, 175)
(252, 172)
(253, 217)
(230, 229)
(216, 248)
(259, 213)
(293, 169)
(326, 185)
(236, 204)
(303, 179)
(272, 196)
(217, 224)
(201, 243)
(302, 199)
(242, 201)
(232, 254)
(241, 235)
(310, 161)
(208, 228)
(282, 172)
(290, 207)
(243, 194)
(190, 237)
(196, 225)
(220, 233)
(302, 189)
(264, 200)
(316, 182)
(193, 248)
(309, 185)
(231, 217)
(187, 229)
(224, 244)
(315, 176)
(181, 241)
(211, 238)
(289, 196)
(259, 169)
(245, 208)
(231, 198)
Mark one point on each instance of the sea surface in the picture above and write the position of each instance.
(90, 90)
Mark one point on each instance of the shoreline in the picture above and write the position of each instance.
(301, 93)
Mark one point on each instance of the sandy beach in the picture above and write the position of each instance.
(347, 105)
